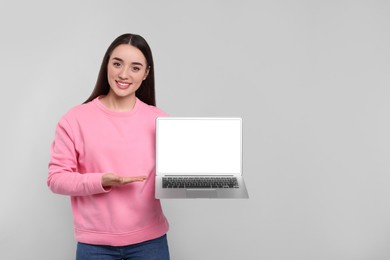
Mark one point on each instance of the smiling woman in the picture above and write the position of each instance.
(126, 70)
(102, 154)
(138, 57)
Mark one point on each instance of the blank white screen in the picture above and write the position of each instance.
(198, 146)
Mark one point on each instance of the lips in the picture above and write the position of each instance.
(122, 85)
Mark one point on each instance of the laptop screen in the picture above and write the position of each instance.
(198, 146)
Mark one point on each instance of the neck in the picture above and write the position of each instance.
(119, 104)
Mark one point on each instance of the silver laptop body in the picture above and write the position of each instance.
(190, 148)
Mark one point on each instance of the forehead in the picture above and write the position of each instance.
(128, 53)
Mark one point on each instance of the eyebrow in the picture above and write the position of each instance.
(133, 63)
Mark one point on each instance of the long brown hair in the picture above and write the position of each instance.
(146, 91)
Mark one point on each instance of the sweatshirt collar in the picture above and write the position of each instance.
(110, 112)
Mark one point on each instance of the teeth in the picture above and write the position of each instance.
(123, 84)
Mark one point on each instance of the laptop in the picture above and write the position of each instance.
(199, 157)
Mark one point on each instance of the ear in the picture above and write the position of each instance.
(147, 73)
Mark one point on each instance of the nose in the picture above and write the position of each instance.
(123, 74)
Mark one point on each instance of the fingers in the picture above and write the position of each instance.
(111, 179)
(127, 179)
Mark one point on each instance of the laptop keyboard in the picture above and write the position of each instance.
(199, 182)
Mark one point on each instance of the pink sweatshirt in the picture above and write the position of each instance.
(91, 140)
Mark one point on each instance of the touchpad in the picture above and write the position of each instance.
(202, 193)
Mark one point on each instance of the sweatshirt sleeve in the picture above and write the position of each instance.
(63, 176)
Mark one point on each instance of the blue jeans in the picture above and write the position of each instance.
(155, 249)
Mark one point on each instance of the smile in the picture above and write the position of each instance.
(122, 85)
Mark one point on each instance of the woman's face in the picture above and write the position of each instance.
(126, 69)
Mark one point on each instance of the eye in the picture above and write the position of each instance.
(116, 64)
(135, 68)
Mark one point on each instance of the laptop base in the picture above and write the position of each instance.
(201, 193)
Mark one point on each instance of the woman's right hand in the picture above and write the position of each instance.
(110, 179)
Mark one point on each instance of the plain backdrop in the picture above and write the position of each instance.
(311, 80)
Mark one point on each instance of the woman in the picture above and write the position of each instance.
(103, 157)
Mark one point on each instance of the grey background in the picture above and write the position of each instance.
(310, 79)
